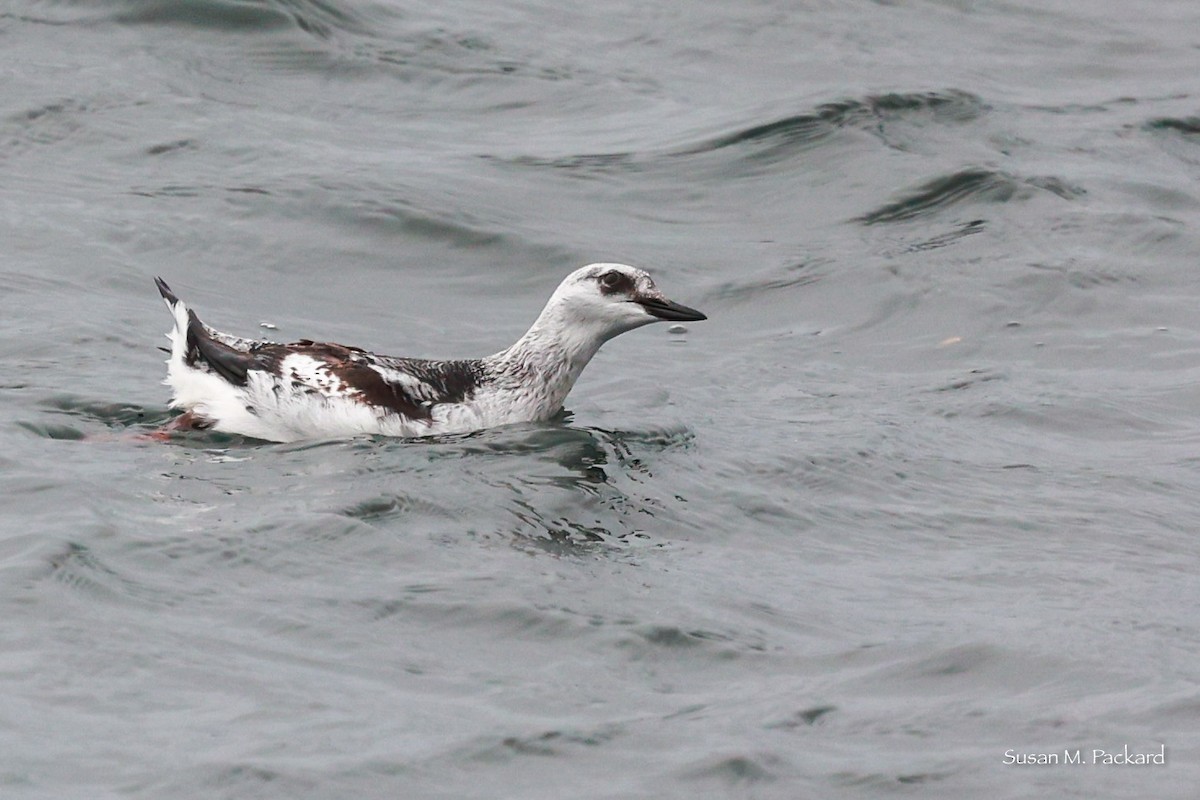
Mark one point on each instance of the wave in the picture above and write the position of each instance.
(1189, 126)
(971, 185)
(320, 19)
(788, 136)
(870, 114)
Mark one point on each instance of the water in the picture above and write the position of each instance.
(923, 490)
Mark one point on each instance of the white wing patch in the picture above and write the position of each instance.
(414, 387)
(314, 372)
(236, 342)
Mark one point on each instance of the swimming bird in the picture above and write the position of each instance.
(306, 389)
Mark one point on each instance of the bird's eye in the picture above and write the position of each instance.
(610, 279)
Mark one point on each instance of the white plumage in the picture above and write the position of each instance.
(305, 389)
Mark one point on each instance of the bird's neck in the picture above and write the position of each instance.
(543, 365)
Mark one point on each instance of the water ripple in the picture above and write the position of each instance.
(83, 570)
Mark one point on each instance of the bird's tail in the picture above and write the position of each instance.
(178, 335)
(193, 342)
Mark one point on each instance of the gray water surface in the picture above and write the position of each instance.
(922, 491)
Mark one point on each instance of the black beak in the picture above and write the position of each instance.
(673, 312)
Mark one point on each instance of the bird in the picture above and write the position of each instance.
(320, 390)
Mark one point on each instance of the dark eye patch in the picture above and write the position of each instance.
(614, 282)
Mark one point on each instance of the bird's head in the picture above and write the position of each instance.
(609, 299)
